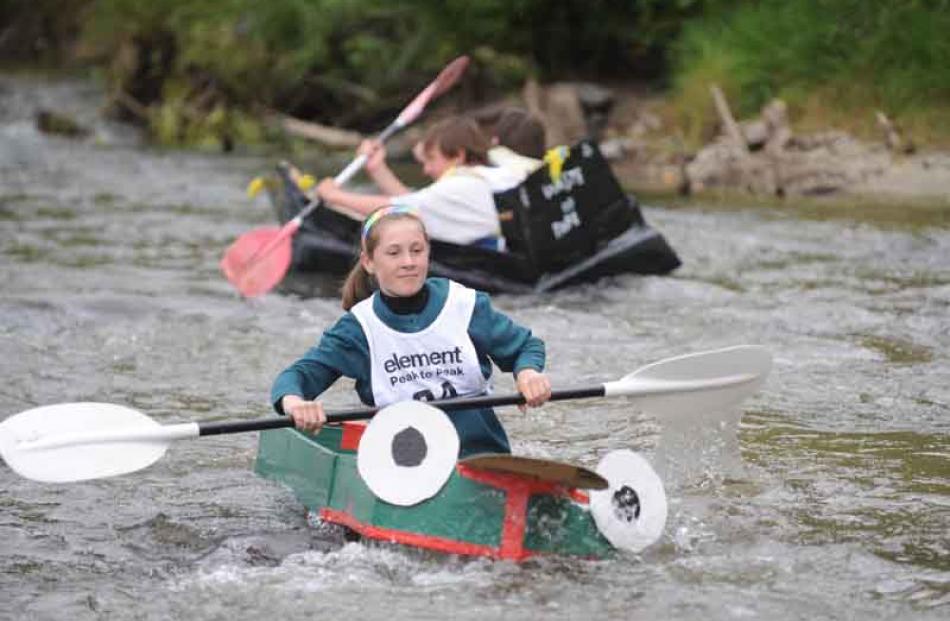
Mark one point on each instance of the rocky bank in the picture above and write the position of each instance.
(761, 156)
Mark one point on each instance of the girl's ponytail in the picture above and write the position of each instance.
(358, 286)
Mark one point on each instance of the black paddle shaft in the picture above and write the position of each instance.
(463, 403)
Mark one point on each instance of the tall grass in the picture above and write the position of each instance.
(831, 60)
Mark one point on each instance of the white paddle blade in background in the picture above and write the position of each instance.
(78, 441)
(407, 453)
(705, 381)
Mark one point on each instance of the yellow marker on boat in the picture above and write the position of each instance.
(555, 160)
(255, 186)
(305, 182)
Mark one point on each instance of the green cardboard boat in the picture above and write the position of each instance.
(478, 512)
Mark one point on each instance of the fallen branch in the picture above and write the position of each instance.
(728, 121)
(130, 104)
(324, 134)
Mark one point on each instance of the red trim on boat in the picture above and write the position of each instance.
(503, 480)
(512, 533)
(418, 540)
(579, 496)
(352, 432)
(517, 490)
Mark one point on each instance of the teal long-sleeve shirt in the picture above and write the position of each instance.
(343, 351)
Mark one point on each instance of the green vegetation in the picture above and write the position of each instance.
(834, 61)
(203, 72)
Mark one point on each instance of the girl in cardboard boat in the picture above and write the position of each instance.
(408, 337)
(458, 207)
(492, 228)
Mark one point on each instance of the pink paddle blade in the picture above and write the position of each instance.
(450, 75)
(443, 82)
(258, 260)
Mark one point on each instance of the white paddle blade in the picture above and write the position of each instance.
(631, 512)
(407, 453)
(710, 381)
(70, 442)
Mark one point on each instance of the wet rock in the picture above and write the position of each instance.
(559, 108)
(617, 148)
(596, 103)
(721, 165)
(594, 97)
(775, 115)
(755, 133)
(50, 122)
(570, 111)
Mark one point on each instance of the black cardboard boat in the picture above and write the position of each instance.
(562, 227)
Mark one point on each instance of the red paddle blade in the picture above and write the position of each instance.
(259, 259)
(450, 75)
(443, 82)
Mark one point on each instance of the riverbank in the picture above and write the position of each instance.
(637, 135)
(771, 159)
(913, 193)
(910, 214)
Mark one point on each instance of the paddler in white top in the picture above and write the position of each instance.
(458, 207)
(407, 336)
(518, 146)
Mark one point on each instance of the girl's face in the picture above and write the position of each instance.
(400, 260)
(435, 162)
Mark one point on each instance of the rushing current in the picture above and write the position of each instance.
(825, 496)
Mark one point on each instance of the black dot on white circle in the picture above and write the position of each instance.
(409, 448)
(626, 504)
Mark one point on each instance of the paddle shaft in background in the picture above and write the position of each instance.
(259, 259)
(347, 173)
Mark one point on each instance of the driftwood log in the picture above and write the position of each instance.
(763, 156)
(332, 137)
(893, 137)
(728, 121)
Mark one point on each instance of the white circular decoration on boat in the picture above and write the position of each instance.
(631, 513)
(407, 453)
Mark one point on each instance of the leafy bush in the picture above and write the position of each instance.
(355, 62)
(827, 58)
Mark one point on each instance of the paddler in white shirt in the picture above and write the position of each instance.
(518, 146)
(457, 207)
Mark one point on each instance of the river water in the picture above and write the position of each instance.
(830, 499)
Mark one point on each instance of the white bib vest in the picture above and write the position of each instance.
(438, 362)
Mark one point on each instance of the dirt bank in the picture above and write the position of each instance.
(764, 161)
(763, 157)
